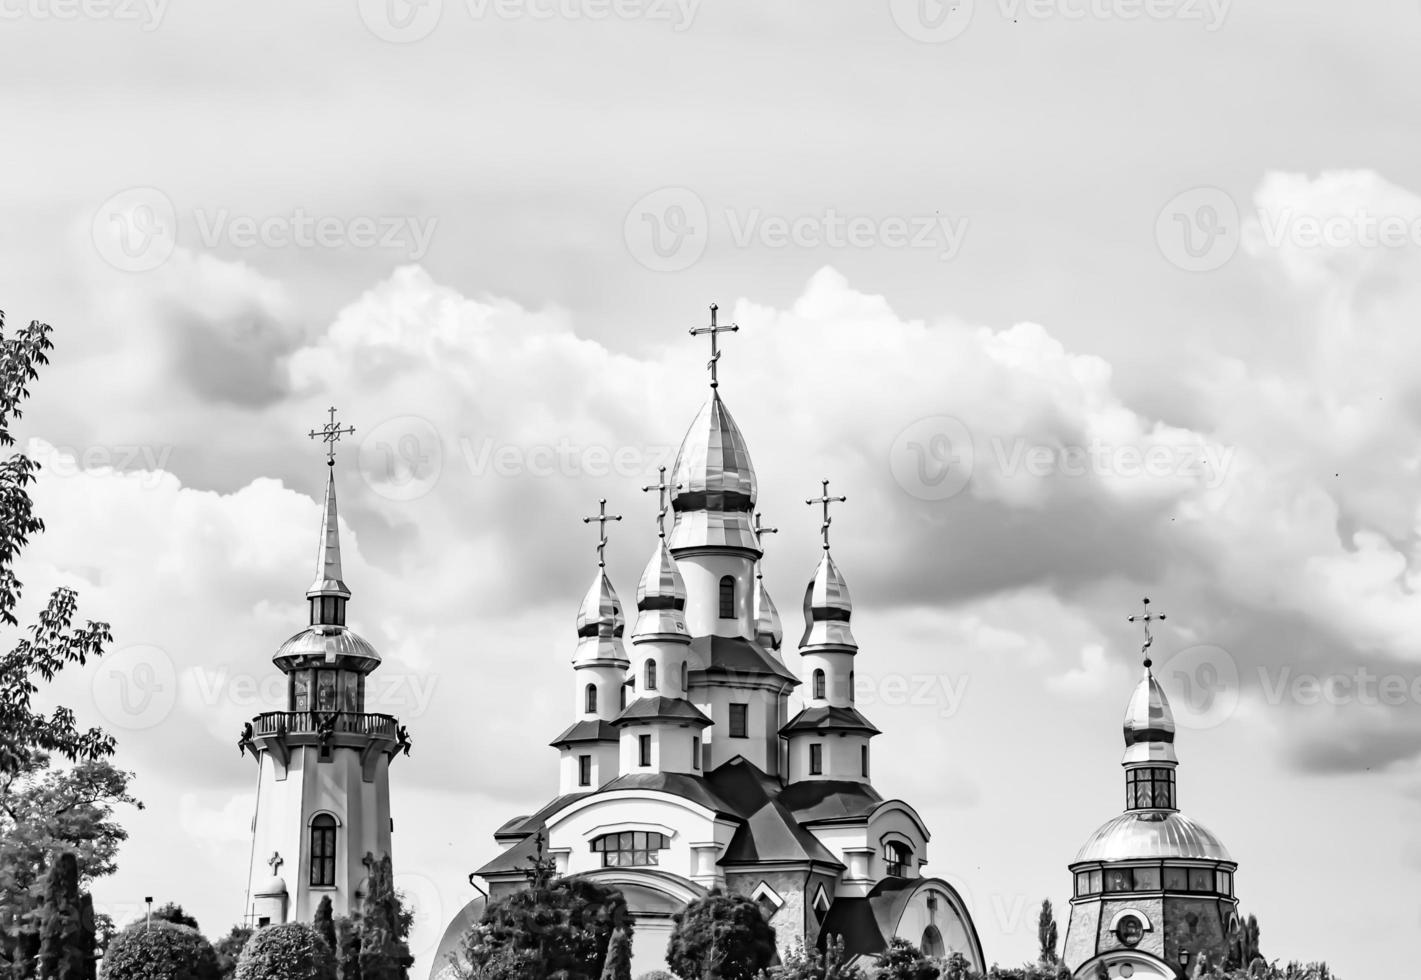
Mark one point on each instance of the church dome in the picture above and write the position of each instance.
(1149, 723)
(767, 618)
(328, 644)
(661, 596)
(715, 484)
(600, 623)
(827, 608)
(274, 886)
(1152, 834)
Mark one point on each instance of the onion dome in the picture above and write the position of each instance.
(1149, 724)
(661, 597)
(768, 631)
(827, 609)
(600, 623)
(717, 485)
(1152, 834)
(328, 571)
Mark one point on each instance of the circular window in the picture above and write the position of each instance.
(1130, 930)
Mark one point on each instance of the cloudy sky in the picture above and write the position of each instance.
(1076, 301)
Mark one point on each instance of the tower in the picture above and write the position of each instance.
(829, 738)
(323, 791)
(1154, 890)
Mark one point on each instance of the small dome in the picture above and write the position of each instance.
(328, 644)
(600, 623)
(717, 485)
(767, 618)
(1152, 834)
(1149, 724)
(827, 608)
(661, 597)
(274, 886)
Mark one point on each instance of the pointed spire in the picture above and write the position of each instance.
(827, 606)
(768, 631)
(661, 597)
(328, 581)
(1149, 721)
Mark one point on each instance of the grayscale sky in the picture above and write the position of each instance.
(1077, 301)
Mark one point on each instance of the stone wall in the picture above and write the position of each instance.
(1081, 932)
(793, 919)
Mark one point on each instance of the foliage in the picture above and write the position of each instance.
(347, 948)
(1243, 944)
(1265, 971)
(229, 950)
(1046, 933)
(656, 975)
(172, 912)
(955, 967)
(289, 951)
(618, 964)
(721, 936)
(164, 951)
(384, 927)
(802, 964)
(1031, 971)
(556, 927)
(61, 951)
(325, 922)
(901, 960)
(53, 642)
(89, 934)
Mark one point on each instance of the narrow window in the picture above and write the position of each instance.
(819, 684)
(727, 597)
(851, 686)
(863, 760)
(323, 851)
(816, 759)
(739, 721)
(623, 698)
(644, 746)
(685, 679)
(584, 770)
(591, 707)
(899, 858)
(695, 753)
(651, 675)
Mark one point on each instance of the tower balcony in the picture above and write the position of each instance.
(279, 732)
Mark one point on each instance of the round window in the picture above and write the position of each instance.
(1130, 930)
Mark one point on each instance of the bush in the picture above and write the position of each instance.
(723, 933)
(656, 975)
(561, 927)
(166, 951)
(291, 951)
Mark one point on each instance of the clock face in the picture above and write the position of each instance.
(1130, 930)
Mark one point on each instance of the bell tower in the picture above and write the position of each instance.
(323, 790)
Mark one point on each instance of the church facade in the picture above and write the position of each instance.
(681, 769)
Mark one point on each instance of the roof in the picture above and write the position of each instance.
(772, 834)
(736, 655)
(827, 608)
(662, 709)
(715, 483)
(829, 799)
(829, 719)
(1149, 723)
(684, 785)
(590, 730)
(328, 567)
(1152, 834)
(866, 924)
(529, 825)
(515, 858)
(327, 643)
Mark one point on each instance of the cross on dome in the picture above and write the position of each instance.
(825, 499)
(715, 330)
(330, 434)
(663, 504)
(1146, 618)
(602, 517)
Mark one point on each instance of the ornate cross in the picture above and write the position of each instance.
(276, 862)
(330, 434)
(1147, 618)
(826, 500)
(602, 517)
(759, 529)
(714, 330)
(663, 505)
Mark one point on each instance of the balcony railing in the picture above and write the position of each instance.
(317, 722)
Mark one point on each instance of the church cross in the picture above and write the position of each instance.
(758, 528)
(663, 505)
(276, 862)
(602, 517)
(715, 331)
(330, 434)
(826, 500)
(1146, 618)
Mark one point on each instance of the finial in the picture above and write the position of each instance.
(826, 500)
(1147, 617)
(602, 517)
(662, 504)
(330, 434)
(758, 528)
(714, 330)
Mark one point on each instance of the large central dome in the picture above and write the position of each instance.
(715, 482)
(1152, 834)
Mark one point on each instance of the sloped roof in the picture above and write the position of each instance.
(591, 730)
(829, 719)
(771, 834)
(516, 858)
(866, 923)
(829, 799)
(693, 788)
(659, 708)
(529, 825)
(737, 655)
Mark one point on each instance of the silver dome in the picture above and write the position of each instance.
(327, 643)
(1152, 834)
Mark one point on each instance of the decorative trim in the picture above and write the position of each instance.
(763, 890)
(1144, 919)
(311, 822)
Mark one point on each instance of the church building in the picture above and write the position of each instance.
(681, 770)
(1153, 889)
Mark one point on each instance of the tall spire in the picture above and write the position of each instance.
(328, 591)
(600, 620)
(827, 606)
(661, 593)
(768, 630)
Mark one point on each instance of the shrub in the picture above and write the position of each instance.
(656, 975)
(166, 951)
(290, 951)
(723, 933)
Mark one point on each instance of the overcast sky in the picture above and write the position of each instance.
(1076, 302)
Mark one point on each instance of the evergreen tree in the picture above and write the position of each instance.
(61, 952)
(173, 912)
(1046, 933)
(720, 937)
(89, 935)
(384, 926)
(325, 922)
(618, 965)
(229, 950)
(347, 948)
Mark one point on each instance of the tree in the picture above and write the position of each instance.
(162, 951)
(384, 927)
(53, 642)
(618, 965)
(828, 964)
(901, 960)
(562, 926)
(289, 951)
(347, 948)
(1046, 933)
(325, 922)
(172, 912)
(720, 937)
(61, 951)
(89, 926)
(229, 950)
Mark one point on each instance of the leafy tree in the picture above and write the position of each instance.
(61, 951)
(347, 948)
(53, 642)
(89, 926)
(229, 950)
(1046, 933)
(618, 965)
(384, 927)
(802, 964)
(325, 922)
(289, 951)
(901, 960)
(720, 937)
(162, 951)
(955, 967)
(172, 912)
(556, 927)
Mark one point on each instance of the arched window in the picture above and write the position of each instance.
(727, 597)
(323, 851)
(591, 707)
(899, 858)
(650, 684)
(932, 945)
(631, 849)
(819, 684)
(622, 697)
